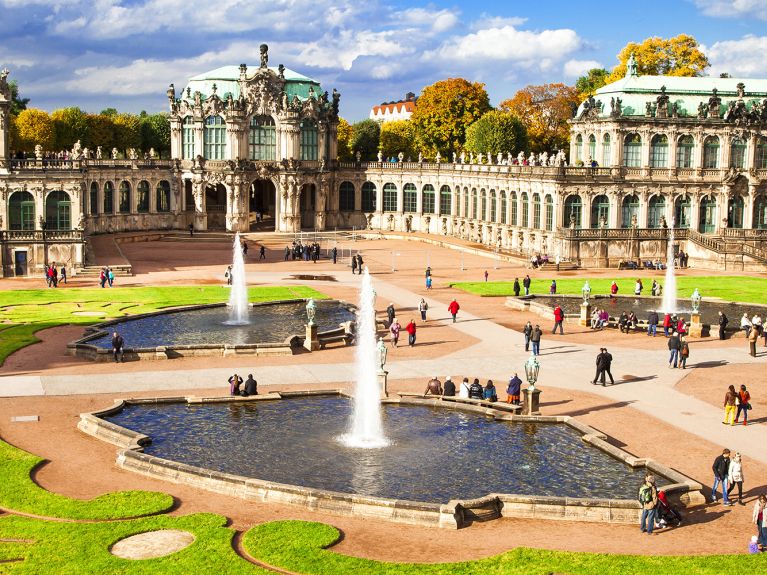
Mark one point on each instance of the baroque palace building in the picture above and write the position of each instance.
(647, 153)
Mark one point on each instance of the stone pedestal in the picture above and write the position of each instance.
(311, 342)
(585, 318)
(532, 401)
(382, 383)
(696, 328)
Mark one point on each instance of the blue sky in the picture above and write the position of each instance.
(124, 53)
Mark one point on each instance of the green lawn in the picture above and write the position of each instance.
(729, 288)
(24, 312)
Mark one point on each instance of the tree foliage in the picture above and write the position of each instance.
(34, 127)
(365, 137)
(127, 130)
(17, 104)
(71, 126)
(155, 132)
(344, 141)
(497, 132)
(398, 136)
(443, 113)
(678, 56)
(544, 110)
(588, 84)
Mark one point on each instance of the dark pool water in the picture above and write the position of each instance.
(271, 323)
(437, 454)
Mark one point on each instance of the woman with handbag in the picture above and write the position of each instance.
(735, 478)
(744, 404)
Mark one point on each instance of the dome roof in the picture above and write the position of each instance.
(227, 80)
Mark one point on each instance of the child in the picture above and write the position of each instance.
(753, 547)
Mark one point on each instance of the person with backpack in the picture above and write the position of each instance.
(475, 390)
(648, 499)
(684, 352)
(744, 404)
(559, 318)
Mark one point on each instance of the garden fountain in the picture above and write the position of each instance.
(238, 297)
(668, 305)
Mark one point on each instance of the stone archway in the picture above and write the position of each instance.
(262, 206)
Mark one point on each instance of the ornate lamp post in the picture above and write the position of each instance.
(532, 395)
(311, 342)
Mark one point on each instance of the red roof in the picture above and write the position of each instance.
(394, 107)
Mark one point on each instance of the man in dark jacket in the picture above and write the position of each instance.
(516, 287)
(475, 390)
(526, 284)
(535, 339)
(528, 331)
(117, 346)
(251, 386)
(652, 323)
(604, 361)
(721, 468)
(449, 388)
(390, 313)
(674, 345)
(723, 321)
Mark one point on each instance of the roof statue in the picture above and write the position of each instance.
(632, 69)
(264, 50)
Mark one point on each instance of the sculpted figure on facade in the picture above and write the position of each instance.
(454, 157)
(499, 158)
(99, 153)
(521, 158)
(479, 158)
(401, 157)
(713, 104)
(420, 158)
(115, 153)
(38, 152)
(463, 157)
(263, 50)
(437, 158)
(380, 156)
(471, 157)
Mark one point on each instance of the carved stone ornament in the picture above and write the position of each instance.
(591, 109)
(662, 104)
(713, 104)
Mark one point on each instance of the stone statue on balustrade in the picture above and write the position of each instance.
(38, 152)
(489, 158)
(531, 159)
(99, 153)
(521, 158)
(380, 156)
(420, 158)
(438, 158)
(401, 157)
(471, 157)
(454, 157)
(77, 151)
(463, 157)
(479, 158)
(499, 158)
(115, 153)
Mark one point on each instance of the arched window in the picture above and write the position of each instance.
(346, 197)
(214, 138)
(389, 198)
(482, 205)
(600, 211)
(578, 148)
(94, 199)
(187, 138)
(466, 203)
(632, 151)
(504, 207)
(760, 212)
(606, 160)
(262, 138)
(108, 197)
(549, 204)
(536, 211)
(513, 200)
(525, 210)
(474, 209)
(493, 207)
(309, 140)
(58, 211)
(124, 197)
(711, 153)
(592, 147)
(735, 212)
(189, 203)
(761, 153)
(659, 151)
(369, 197)
(445, 200)
(573, 210)
(655, 210)
(629, 210)
(21, 211)
(409, 198)
(738, 153)
(427, 199)
(682, 212)
(142, 199)
(707, 215)
(162, 199)
(684, 151)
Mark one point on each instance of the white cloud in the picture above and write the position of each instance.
(733, 8)
(489, 21)
(577, 68)
(742, 58)
(342, 49)
(437, 21)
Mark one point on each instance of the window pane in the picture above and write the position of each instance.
(390, 198)
(346, 197)
(368, 197)
(409, 198)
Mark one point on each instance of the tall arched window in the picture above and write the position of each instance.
(409, 198)
(761, 153)
(187, 138)
(592, 147)
(606, 160)
(21, 211)
(629, 210)
(162, 198)
(94, 199)
(427, 199)
(684, 151)
(578, 148)
(142, 197)
(707, 215)
(504, 207)
(262, 138)
(682, 212)
(58, 211)
(573, 210)
(600, 211)
(309, 138)
(346, 197)
(445, 200)
(549, 204)
(711, 153)
(760, 212)
(123, 203)
(214, 138)
(514, 210)
(493, 207)
(108, 197)
(466, 203)
(536, 211)
(632, 151)
(659, 151)
(482, 205)
(655, 210)
(389, 197)
(738, 153)
(474, 204)
(525, 211)
(735, 212)
(369, 197)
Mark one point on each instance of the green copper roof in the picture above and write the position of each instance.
(226, 79)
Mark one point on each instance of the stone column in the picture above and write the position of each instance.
(532, 401)
(198, 139)
(175, 138)
(748, 207)
(200, 218)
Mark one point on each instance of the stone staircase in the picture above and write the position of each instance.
(92, 271)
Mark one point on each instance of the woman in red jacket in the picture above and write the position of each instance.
(453, 309)
(410, 329)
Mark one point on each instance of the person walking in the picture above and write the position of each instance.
(735, 478)
(354, 264)
(428, 272)
(228, 275)
(63, 274)
(648, 499)
(613, 289)
(759, 517)
(730, 399)
(528, 331)
(721, 468)
(652, 323)
(117, 347)
(423, 308)
(334, 254)
(674, 345)
(244, 249)
(604, 362)
(535, 339)
(103, 277)
(553, 287)
(191, 230)
(744, 404)
(410, 329)
(453, 309)
(486, 276)
(638, 287)
(110, 276)
(394, 329)
(262, 253)
(667, 324)
(526, 284)
(428, 282)
(513, 390)
(684, 352)
(390, 313)
(753, 336)
(559, 318)
(516, 287)
(359, 263)
(723, 321)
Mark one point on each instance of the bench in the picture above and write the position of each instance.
(499, 405)
(347, 338)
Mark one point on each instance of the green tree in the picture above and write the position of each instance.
(444, 111)
(71, 126)
(109, 112)
(497, 132)
(155, 133)
(17, 104)
(396, 137)
(588, 84)
(127, 131)
(101, 132)
(365, 137)
(344, 141)
(678, 56)
(34, 127)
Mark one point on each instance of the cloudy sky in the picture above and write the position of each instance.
(124, 53)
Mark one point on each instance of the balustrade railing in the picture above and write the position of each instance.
(41, 235)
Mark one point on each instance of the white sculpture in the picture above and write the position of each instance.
(76, 153)
(463, 157)
(471, 157)
(380, 156)
(454, 157)
(489, 158)
(479, 158)
(152, 153)
(99, 153)
(521, 158)
(420, 158)
(499, 158)
(438, 158)
(39, 152)
(114, 153)
(400, 157)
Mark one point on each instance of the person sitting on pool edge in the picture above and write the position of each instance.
(234, 384)
(449, 389)
(434, 387)
(251, 386)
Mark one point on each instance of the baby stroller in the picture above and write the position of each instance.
(666, 514)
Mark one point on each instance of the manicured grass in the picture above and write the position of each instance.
(19, 493)
(29, 311)
(729, 288)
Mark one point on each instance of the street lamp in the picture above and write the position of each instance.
(696, 299)
(311, 310)
(531, 371)
(586, 291)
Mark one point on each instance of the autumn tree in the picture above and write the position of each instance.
(127, 129)
(344, 141)
(496, 132)
(679, 56)
(544, 110)
(588, 84)
(444, 111)
(34, 127)
(101, 132)
(365, 136)
(155, 132)
(398, 136)
(17, 104)
(71, 126)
